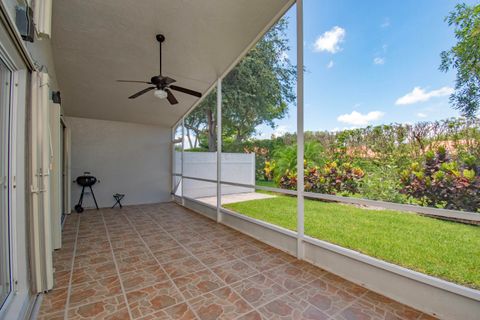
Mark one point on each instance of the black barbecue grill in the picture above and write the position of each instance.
(85, 181)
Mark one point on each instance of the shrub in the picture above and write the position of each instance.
(331, 179)
(286, 158)
(441, 182)
(382, 183)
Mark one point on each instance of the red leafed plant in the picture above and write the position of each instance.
(442, 182)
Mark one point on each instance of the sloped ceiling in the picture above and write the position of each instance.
(96, 42)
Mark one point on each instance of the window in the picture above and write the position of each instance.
(5, 236)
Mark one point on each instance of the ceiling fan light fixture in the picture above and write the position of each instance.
(162, 84)
(161, 94)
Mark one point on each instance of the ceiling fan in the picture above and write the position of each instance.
(162, 84)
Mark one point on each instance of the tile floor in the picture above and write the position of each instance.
(165, 262)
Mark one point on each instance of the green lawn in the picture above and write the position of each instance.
(264, 183)
(439, 248)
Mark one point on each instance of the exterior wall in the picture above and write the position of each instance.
(40, 50)
(127, 158)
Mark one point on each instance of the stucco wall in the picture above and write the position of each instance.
(127, 158)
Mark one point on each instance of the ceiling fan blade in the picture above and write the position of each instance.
(134, 81)
(169, 80)
(139, 93)
(187, 91)
(170, 97)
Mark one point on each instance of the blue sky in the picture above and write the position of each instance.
(372, 62)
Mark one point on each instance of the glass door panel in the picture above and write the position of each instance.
(5, 272)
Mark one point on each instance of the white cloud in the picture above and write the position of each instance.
(421, 115)
(385, 23)
(330, 40)
(359, 119)
(379, 60)
(421, 95)
(330, 64)
(284, 56)
(280, 130)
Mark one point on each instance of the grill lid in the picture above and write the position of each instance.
(86, 180)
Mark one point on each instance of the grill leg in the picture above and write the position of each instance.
(78, 207)
(80, 201)
(93, 195)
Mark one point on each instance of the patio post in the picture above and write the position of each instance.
(172, 163)
(183, 159)
(300, 134)
(219, 149)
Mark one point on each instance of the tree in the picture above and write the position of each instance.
(257, 91)
(465, 58)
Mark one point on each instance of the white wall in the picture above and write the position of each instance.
(236, 168)
(127, 158)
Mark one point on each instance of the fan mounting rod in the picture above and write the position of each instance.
(160, 38)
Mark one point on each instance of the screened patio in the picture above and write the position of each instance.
(196, 238)
(163, 261)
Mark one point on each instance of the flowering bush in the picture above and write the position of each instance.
(331, 179)
(442, 182)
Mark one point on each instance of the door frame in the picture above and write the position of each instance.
(20, 300)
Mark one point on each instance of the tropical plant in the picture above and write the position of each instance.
(443, 182)
(269, 170)
(286, 158)
(330, 179)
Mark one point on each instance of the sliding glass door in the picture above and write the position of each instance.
(5, 257)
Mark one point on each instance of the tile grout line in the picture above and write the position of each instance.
(194, 256)
(163, 269)
(262, 273)
(230, 285)
(349, 304)
(257, 309)
(226, 284)
(211, 271)
(69, 290)
(357, 298)
(116, 266)
(280, 296)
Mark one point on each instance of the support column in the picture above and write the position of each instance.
(219, 149)
(183, 159)
(300, 133)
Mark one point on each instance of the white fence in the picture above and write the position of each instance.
(236, 167)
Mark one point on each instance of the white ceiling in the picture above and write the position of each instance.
(96, 42)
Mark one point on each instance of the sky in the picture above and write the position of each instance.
(371, 62)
